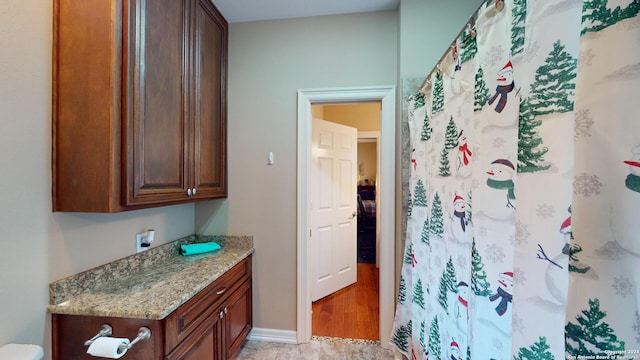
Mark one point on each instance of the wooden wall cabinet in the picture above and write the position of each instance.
(212, 325)
(139, 104)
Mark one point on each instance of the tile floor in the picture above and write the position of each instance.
(319, 348)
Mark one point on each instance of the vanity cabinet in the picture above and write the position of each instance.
(212, 325)
(222, 310)
(222, 335)
(139, 104)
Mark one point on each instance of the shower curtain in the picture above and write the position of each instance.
(522, 239)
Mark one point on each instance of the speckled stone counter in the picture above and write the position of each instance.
(148, 285)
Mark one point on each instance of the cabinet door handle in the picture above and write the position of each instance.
(226, 310)
(221, 314)
(194, 192)
(220, 292)
(189, 192)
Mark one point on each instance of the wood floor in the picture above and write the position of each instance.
(352, 312)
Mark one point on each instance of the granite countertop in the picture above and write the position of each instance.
(149, 285)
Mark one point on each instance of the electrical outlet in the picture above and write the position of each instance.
(139, 247)
(144, 240)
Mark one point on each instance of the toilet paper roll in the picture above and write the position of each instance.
(108, 347)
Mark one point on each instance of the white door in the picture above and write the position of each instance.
(333, 242)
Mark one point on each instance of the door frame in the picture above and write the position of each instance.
(386, 187)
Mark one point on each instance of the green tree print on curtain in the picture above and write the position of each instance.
(438, 95)
(420, 194)
(530, 151)
(444, 169)
(481, 93)
(423, 340)
(538, 351)
(437, 220)
(519, 13)
(451, 135)
(451, 276)
(554, 85)
(401, 336)
(418, 100)
(574, 261)
(424, 237)
(468, 45)
(434, 339)
(408, 255)
(591, 332)
(402, 290)
(418, 294)
(469, 210)
(442, 292)
(596, 16)
(426, 128)
(479, 284)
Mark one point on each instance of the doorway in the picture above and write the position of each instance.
(345, 305)
(386, 188)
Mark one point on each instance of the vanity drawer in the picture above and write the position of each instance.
(184, 320)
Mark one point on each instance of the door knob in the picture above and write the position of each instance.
(353, 214)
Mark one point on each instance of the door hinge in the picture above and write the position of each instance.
(309, 232)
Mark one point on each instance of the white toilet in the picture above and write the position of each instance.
(21, 352)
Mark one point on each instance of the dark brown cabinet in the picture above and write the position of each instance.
(212, 325)
(222, 336)
(139, 102)
(205, 347)
(236, 324)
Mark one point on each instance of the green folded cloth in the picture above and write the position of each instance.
(192, 249)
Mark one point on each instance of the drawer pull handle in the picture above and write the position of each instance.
(221, 291)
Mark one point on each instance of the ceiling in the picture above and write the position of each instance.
(251, 10)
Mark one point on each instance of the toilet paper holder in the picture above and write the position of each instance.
(144, 333)
(105, 330)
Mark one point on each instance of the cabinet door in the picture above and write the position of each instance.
(155, 101)
(238, 319)
(205, 346)
(209, 101)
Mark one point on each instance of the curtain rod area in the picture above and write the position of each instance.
(426, 83)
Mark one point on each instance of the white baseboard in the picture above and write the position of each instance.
(273, 335)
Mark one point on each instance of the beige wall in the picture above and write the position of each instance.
(362, 116)
(317, 111)
(268, 62)
(39, 246)
(367, 162)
